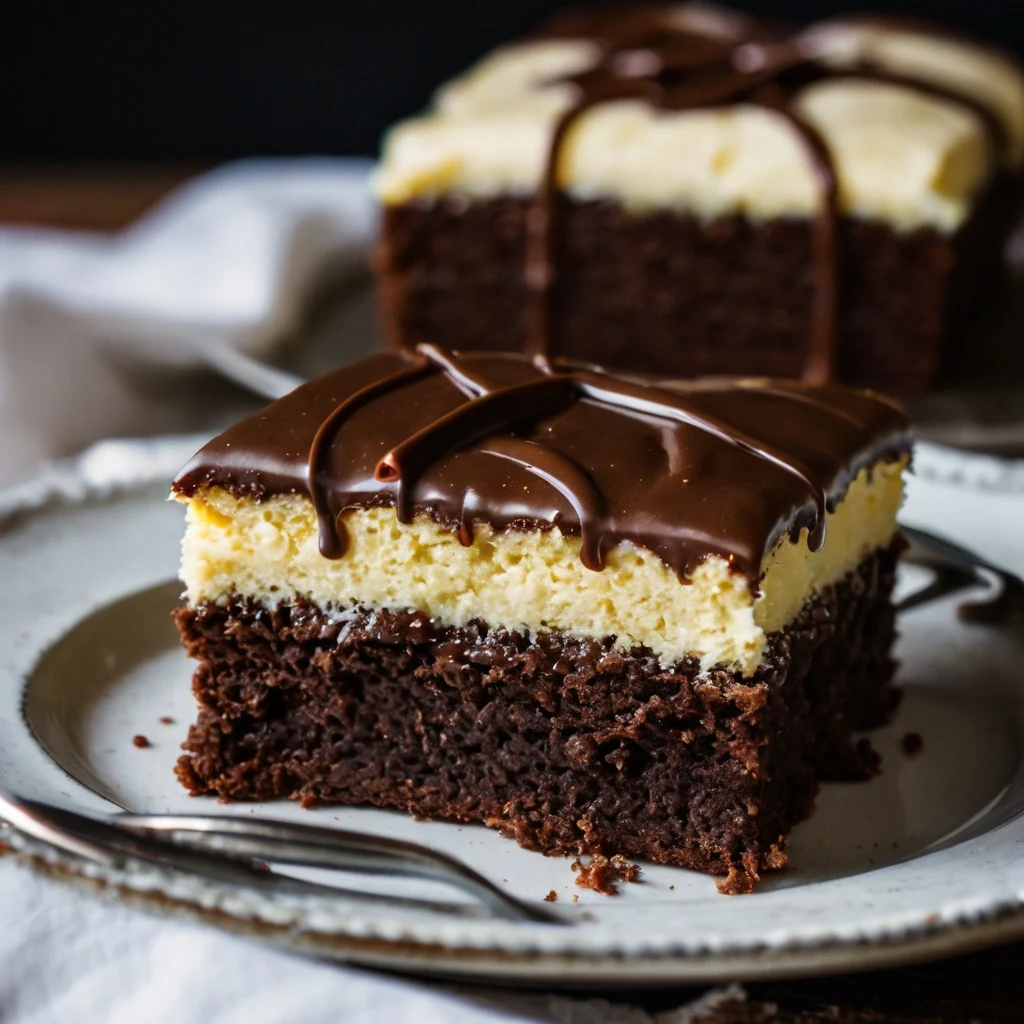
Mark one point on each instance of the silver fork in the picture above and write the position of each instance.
(238, 850)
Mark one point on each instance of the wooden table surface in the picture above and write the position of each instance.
(94, 198)
(985, 986)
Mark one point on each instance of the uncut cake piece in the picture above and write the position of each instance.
(684, 190)
(599, 615)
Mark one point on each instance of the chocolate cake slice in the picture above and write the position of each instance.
(684, 191)
(600, 615)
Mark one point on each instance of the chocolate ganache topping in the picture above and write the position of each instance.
(686, 470)
(689, 57)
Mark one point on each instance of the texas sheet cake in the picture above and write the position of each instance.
(598, 614)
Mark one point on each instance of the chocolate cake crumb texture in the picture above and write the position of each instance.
(602, 874)
(739, 293)
(141, 741)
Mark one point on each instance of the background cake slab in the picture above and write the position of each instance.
(101, 666)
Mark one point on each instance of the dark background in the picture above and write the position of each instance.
(204, 81)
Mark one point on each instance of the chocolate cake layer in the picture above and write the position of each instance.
(562, 743)
(666, 293)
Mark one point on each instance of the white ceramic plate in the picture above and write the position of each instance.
(923, 860)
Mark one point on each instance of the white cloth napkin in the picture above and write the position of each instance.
(65, 957)
(98, 333)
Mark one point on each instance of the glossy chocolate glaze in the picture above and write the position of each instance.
(686, 470)
(678, 59)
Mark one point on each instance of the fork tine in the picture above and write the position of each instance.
(101, 841)
(62, 829)
(27, 820)
(316, 846)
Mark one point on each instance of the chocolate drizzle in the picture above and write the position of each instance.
(678, 60)
(570, 479)
(638, 399)
(332, 540)
(493, 410)
(516, 443)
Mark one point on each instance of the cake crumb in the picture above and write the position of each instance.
(141, 741)
(575, 898)
(166, 720)
(912, 743)
(671, 886)
(603, 874)
(552, 897)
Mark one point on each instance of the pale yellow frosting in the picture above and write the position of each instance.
(267, 551)
(902, 157)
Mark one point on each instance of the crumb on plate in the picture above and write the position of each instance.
(603, 873)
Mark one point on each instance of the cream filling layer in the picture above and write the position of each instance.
(267, 551)
(902, 157)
